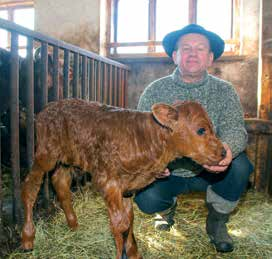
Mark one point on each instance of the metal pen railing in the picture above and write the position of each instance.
(82, 74)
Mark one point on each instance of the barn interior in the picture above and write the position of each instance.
(109, 51)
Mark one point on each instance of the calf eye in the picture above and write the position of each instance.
(201, 131)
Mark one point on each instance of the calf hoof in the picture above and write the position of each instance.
(26, 250)
(72, 222)
(27, 246)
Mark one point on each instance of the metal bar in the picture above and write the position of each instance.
(84, 78)
(66, 72)
(14, 125)
(10, 26)
(122, 88)
(118, 87)
(44, 73)
(75, 75)
(56, 73)
(125, 88)
(95, 81)
(91, 81)
(30, 103)
(44, 85)
(135, 44)
(105, 84)
(110, 85)
(88, 78)
(115, 86)
(98, 82)
(1, 191)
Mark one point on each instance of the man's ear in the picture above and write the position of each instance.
(211, 57)
(174, 56)
(165, 114)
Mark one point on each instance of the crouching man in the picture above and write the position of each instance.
(193, 49)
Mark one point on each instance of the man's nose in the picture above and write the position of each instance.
(193, 51)
(223, 153)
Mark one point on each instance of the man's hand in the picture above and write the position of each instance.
(163, 174)
(223, 164)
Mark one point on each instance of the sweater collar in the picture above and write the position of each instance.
(176, 76)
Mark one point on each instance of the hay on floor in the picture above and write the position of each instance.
(250, 227)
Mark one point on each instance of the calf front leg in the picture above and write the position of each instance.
(62, 181)
(130, 245)
(121, 219)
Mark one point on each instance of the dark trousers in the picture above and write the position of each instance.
(229, 185)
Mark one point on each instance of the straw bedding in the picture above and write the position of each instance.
(250, 227)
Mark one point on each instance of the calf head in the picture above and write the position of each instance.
(192, 132)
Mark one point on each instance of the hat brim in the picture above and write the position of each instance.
(217, 44)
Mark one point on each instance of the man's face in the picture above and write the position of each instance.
(193, 55)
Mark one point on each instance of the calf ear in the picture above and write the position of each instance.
(165, 114)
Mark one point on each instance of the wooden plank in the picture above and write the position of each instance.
(152, 25)
(265, 108)
(192, 11)
(115, 27)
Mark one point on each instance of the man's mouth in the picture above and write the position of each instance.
(192, 61)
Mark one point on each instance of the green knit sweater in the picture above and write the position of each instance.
(219, 99)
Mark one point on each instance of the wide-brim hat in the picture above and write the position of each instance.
(217, 44)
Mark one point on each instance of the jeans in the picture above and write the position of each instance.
(229, 185)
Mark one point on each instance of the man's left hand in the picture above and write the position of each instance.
(223, 164)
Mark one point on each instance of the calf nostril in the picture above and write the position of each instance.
(223, 153)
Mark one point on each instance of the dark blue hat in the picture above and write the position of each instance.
(217, 44)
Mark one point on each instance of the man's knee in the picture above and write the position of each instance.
(151, 202)
(241, 168)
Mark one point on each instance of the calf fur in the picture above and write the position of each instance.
(124, 150)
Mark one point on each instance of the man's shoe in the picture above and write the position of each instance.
(217, 230)
(165, 220)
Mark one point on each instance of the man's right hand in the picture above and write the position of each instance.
(163, 174)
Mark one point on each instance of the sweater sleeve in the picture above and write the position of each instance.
(146, 99)
(231, 128)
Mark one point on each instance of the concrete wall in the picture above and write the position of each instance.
(241, 72)
(76, 22)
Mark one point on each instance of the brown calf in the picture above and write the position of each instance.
(124, 150)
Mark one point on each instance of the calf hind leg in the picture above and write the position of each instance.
(30, 189)
(62, 181)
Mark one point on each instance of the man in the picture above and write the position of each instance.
(193, 49)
